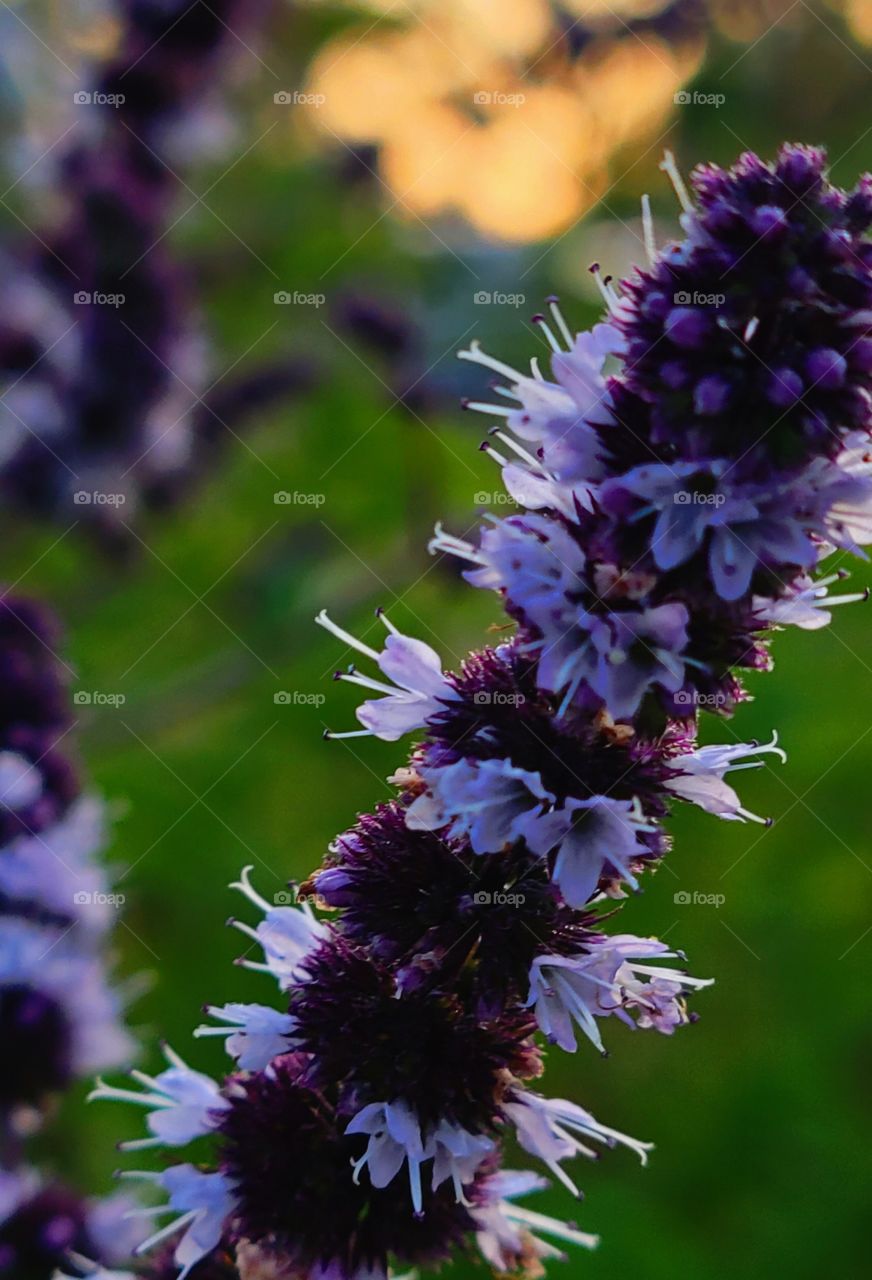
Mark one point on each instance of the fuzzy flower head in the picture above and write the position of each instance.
(759, 317)
(427, 1048)
(434, 910)
(59, 1019)
(46, 1230)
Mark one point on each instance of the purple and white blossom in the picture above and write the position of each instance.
(491, 802)
(183, 1104)
(418, 685)
(506, 1232)
(609, 978)
(805, 603)
(396, 1139)
(703, 770)
(559, 418)
(677, 504)
(254, 1033)
(589, 836)
(742, 526)
(203, 1203)
(554, 1129)
(286, 934)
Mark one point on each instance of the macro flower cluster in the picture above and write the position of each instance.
(678, 478)
(60, 1017)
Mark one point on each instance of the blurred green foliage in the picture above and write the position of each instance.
(761, 1111)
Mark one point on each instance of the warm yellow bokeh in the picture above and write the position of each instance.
(477, 108)
(858, 15)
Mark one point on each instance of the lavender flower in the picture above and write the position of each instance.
(418, 682)
(606, 979)
(658, 553)
(104, 358)
(46, 1231)
(59, 1016)
(758, 318)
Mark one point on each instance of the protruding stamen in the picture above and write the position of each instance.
(609, 296)
(516, 448)
(670, 168)
(244, 886)
(560, 1230)
(487, 447)
(554, 306)
(386, 622)
(165, 1232)
(482, 406)
(475, 355)
(353, 643)
(543, 324)
(648, 230)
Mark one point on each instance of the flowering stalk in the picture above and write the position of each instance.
(674, 513)
(109, 400)
(60, 1019)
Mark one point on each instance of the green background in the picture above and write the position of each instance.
(760, 1112)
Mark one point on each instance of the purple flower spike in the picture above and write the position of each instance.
(675, 509)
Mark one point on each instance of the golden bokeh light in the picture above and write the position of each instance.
(479, 108)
